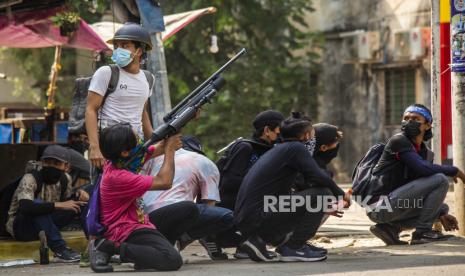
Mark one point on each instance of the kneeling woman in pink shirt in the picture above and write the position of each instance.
(129, 232)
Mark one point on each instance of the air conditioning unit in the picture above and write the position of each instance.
(411, 44)
(350, 46)
(369, 46)
(360, 46)
(421, 42)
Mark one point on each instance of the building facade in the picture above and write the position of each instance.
(375, 62)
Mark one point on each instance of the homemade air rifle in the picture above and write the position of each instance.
(187, 109)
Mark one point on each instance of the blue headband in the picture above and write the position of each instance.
(423, 112)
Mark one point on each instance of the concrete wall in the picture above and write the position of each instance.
(353, 93)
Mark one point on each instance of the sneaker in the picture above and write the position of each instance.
(316, 248)
(255, 247)
(389, 234)
(303, 254)
(99, 260)
(115, 259)
(427, 237)
(214, 251)
(66, 255)
(240, 254)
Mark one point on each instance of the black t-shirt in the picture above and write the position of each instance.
(273, 174)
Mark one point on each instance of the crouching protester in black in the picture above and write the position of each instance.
(327, 144)
(323, 148)
(415, 187)
(272, 177)
(237, 160)
(44, 202)
(244, 153)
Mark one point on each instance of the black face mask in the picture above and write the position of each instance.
(51, 175)
(428, 135)
(411, 129)
(326, 156)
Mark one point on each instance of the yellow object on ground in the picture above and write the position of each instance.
(11, 249)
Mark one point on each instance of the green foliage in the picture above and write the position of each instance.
(65, 17)
(278, 71)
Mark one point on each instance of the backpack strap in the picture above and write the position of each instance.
(112, 84)
(63, 187)
(114, 78)
(39, 182)
(150, 78)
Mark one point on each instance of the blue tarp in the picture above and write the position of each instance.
(151, 16)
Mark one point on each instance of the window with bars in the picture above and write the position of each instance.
(400, 93)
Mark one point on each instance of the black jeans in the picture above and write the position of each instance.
(229, 238)
(149, 249)
(175, 219)
(27, 227)
(302, 223)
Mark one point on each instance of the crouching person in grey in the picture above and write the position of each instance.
(410, 185)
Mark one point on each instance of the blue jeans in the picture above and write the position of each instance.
(212, 220)
(26, 227)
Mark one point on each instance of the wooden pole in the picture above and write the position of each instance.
(50, 108)
(53, 78)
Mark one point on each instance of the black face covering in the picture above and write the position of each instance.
(325, 157)
(411, 128)
(51, 175)
(428, 135)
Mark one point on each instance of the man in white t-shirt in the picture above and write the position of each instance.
(196, 179)
(129, 100)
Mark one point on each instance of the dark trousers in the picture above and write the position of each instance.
(175, 219)
(27, 227)
(211, 221)
(416, 204)
(229, 238)
(149, 249)
(303, 224)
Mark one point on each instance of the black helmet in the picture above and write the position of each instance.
(134, 32)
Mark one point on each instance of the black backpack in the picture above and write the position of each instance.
(225, 160)
(78, 109)
(363, 171)
(7, 192)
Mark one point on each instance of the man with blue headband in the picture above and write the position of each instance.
(415, 187)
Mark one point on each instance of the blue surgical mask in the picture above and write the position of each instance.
(121, 57)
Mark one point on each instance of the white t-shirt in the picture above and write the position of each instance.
(126, 103)
(195, 175)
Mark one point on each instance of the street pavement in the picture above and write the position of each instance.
(352, 251)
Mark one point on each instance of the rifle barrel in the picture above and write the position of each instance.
(205, 83)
